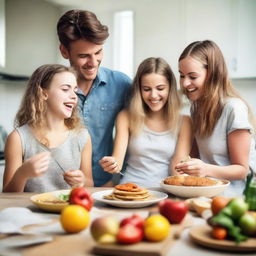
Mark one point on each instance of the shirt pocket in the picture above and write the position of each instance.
(108, 113)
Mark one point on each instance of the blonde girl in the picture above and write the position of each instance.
(222, 121)
(49, 149)
(152, 131)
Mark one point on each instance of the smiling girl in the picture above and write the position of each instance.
(222, 121)
(49, 149)
(152, 131)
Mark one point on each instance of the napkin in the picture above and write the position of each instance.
(12, 219)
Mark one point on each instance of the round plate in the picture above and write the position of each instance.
(195, 191)
(158, 196)
(47, 201)
(202, 235)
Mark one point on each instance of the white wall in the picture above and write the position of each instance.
(30, 35)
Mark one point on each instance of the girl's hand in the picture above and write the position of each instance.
(36, 165)
(195, 167)
(75, 178)
(109, 164)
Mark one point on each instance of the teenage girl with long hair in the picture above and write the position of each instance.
(49, 149)
(223, 123)
(152, 130)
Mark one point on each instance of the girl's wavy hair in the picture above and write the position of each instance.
(138, 109)
(32, 110)
(217, 87)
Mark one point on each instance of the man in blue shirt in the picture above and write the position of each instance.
(102, 92)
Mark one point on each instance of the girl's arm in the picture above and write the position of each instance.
(239, 149)
(86, 163)
(114, 163)
(184, 144)
(16, 173)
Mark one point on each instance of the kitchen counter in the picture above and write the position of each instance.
(82, 243)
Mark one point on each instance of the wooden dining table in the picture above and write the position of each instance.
(83, 244)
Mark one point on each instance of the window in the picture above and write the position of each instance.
(123, 42)
(2, 33)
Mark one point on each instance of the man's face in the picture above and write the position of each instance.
(85, 57)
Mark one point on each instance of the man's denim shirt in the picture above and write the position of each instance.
(108, 95)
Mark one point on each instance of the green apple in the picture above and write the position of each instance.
(247, 223)
(104, 230)
(236, 208)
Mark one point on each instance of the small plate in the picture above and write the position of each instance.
(158, 196)
(51, 205)
(196, 191)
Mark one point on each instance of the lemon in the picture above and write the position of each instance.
(156, 228)
(74, 218)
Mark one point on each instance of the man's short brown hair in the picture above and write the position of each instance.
(79, 24)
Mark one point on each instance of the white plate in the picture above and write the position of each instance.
(158, 196)
(195, 191)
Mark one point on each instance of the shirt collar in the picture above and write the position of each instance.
(101, 78)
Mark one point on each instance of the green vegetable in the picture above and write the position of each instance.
(64, 197)
(223, 220)
(227, 222)
(250, 191)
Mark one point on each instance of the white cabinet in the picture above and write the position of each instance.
(231, 24)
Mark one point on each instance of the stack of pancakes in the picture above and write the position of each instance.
(128, 192)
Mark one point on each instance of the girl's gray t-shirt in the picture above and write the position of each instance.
(66, 156)
(214, 149)
(149, 157)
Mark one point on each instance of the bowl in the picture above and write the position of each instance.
(196, 191)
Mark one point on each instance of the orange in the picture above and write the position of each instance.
(218, 203)
(219, 233)
(156, 228)
(74, 218)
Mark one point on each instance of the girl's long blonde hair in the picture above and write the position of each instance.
(137, 107)
(217, 87)
(32, 110)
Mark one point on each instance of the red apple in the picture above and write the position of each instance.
(174, 211)
(129, 234)
(81, 197)
(135, 220)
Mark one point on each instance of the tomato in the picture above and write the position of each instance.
(81, 197)
(135, 220)
(218, 203)
(129, 234)
(219, 233)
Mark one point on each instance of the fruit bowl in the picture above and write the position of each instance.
(196, 191)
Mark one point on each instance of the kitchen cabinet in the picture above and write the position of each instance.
(229, 23)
